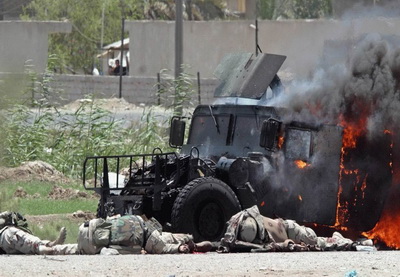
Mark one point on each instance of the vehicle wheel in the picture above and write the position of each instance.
(109, 210)
(203, 207)
(98, 212)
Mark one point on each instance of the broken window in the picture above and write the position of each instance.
(298, 144)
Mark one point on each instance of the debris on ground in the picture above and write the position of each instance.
(20, 193)
(33, 171)
(78, 217)
(84, 215)
(67, 193)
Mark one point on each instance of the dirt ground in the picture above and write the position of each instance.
(42, 171)
(78, 217)
(111, 104)
(343, 264)
(35, 170)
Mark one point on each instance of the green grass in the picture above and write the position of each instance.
(45, 135)
(42, 205)
(49, 229)
(46, 227)
(65, 139)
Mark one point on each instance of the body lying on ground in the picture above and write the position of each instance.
(248, 230)
(16, 238)
(132, 234)
(129, 234)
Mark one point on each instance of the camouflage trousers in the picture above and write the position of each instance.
(65, 249)
(17, 241)
(165, 242)
(299, 233)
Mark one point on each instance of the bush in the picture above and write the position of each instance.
(39, 131)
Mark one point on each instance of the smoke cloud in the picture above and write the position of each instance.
(364, 84)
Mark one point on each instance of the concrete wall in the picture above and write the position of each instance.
(24, 43)
(205, 43)
(136, 90)
(152, 44)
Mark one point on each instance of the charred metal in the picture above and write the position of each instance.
(239, 153)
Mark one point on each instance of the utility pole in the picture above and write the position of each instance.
(256, 22)
(102, 34)
(178, 37)
(178, 51)
(121, 67)
(102, 25)
(1, 9)
(256, 37)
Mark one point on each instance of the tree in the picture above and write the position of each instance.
(266, 9)
(193, 9)
(300, 9)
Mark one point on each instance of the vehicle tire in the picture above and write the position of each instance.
(109, 210)
(99, 214)
(203, 207)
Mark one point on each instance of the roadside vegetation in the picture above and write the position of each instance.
(34, 199)
(48, 228)
(36, 130)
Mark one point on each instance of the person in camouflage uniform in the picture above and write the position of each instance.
(16, 238)
(132, 234)
(248, 230)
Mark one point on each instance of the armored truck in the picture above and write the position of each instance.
(241, 152)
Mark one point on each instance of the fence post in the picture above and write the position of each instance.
(198, 87)
(158, 88)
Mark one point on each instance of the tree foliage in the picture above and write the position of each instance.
(295, 9)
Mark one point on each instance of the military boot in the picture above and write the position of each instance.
(204, 246)
(45, 250)
(61, 238)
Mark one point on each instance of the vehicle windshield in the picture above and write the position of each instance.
(206, 129)
(219, 131)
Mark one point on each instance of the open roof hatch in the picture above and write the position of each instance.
(242, 75)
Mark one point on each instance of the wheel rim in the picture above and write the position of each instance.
(210, 221)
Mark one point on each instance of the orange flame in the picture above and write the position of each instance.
(301, 164)
(388, 227)
(354, 124)
(300, 198)
(351, 132)
(280, 142)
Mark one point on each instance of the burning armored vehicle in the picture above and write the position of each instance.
(241, 152)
